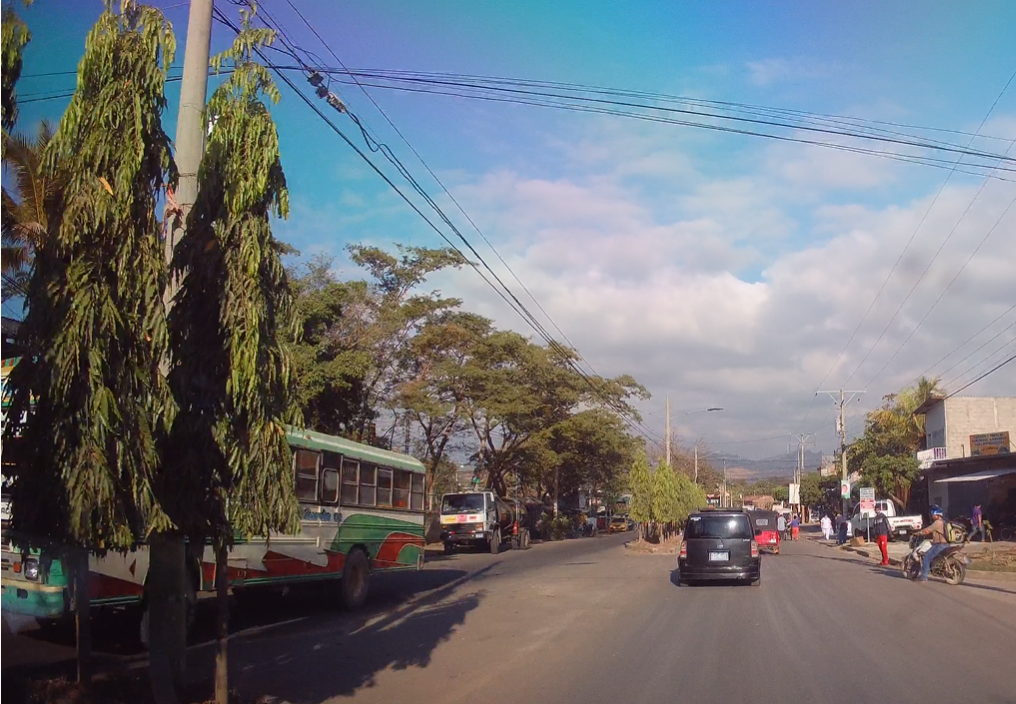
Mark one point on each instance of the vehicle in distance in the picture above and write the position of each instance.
(618, 524)
(719, 545)
(900, 526)
(480, 519)
(766, 534)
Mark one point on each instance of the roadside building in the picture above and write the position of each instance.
(968, 456)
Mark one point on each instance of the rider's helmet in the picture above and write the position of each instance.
(935, 511)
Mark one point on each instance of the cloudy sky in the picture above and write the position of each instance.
(718, 269)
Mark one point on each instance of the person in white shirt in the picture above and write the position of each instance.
(827, 527)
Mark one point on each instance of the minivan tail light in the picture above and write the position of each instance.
(754, 549)
(684, 549)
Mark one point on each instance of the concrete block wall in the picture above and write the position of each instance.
(971, 415)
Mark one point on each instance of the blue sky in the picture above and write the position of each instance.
(717, 269)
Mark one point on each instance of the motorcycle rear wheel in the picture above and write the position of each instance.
(955, 572)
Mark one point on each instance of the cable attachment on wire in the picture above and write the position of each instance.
(318, 81)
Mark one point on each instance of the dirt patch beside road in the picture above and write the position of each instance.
(644, 547)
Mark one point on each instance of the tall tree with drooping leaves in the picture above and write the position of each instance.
(89, 402)
(229, 466)
(666, 501)
(15, 37)
(640, 481)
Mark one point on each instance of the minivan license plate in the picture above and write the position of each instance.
(722, 556)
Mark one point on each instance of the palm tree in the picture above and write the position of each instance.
(29, 209)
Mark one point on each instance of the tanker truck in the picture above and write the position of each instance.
(481, 519)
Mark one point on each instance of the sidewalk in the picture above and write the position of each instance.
(898, 550)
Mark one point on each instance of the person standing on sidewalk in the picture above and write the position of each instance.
(827, 527)
(976, 523)
(880, 527)
(841, 529)
(781, 526)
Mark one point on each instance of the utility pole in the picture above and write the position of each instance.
(190, 124)
(666, 451)
(802, 440)
(696, 462)
(842, 402)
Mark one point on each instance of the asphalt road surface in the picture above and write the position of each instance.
(586, 621)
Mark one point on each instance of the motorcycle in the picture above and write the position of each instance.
(950, 564)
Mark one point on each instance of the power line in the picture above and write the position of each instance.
(982, 376)
(987, 360)
(944, 291)
(967, 341)
(906, 247)
(506, 294)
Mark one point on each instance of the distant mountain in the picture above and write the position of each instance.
(740, 468)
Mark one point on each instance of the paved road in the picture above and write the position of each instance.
(586, 621)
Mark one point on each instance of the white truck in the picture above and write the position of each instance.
(481, 519)
(901, 526)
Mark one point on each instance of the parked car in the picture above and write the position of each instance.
(719, 545)
(901, 526)
(618, 524)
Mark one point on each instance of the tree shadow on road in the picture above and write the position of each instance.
(309, 664)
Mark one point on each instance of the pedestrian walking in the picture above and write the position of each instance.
(827, 527)
(841, 529)
(795, 527)
(880, 527)
(781, 526)
(976, 523)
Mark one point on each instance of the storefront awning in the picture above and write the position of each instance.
(978, 476)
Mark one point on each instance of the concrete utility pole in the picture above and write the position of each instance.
(667, 441)
(842, 422)
(190, 123)
(802, 440)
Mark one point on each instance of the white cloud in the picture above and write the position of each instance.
(767, 72)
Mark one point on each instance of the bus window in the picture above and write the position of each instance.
(384, 487)
(329, 486)
(368, 483)
(306, 463)
(403, 482)
(350, 480)
(417, 499)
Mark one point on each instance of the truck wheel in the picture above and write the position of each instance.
(495, 542)
(355, 579)
(524, 538)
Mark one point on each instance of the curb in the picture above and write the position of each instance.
(988, 575)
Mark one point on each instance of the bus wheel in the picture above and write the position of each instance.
(355, 579)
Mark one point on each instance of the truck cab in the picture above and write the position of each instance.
(479, 519)
(900, 526)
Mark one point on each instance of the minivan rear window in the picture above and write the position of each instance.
(718, 527)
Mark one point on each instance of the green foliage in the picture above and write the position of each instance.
(691, 497)
(640, 481)
(95, 330)
(664, 495)
(593, 450)
(892, 437)
(29, 208)
(355, 352)
(15, 36)
(229, 464)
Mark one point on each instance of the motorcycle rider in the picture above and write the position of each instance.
(939, 542)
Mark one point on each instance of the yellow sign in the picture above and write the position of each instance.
(989, 444)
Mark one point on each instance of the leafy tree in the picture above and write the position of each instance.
(89, 399)
(355, 350)
(328, 365)
(690, 498)
(886, 454)
(593, 450)
(29, 208)
(433, 396)
(229, 463)
(640, 481)
(665, 499)
(15, 36)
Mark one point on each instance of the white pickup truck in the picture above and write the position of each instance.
(902, 526)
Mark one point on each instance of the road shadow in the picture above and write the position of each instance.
(312, 663)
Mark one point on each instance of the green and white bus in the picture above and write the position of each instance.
(361, 512)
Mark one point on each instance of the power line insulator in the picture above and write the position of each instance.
(335, 102)
(315, 79)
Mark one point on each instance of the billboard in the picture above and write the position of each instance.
(989, 444)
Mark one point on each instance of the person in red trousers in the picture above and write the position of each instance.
(880, 527)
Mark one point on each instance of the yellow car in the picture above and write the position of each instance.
(618, 524)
